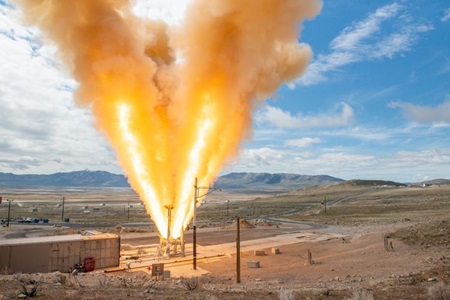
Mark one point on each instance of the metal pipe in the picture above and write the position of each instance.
(169, 220)
(176, 262)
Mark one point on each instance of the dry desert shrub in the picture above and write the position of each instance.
(28, 286)
(361, 294)
(60, 279)
(190, 283)
(5, 270)
(440, 291)
(286, 295)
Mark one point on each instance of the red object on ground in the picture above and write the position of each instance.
(89, 264)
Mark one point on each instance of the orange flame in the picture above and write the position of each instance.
(175, 103)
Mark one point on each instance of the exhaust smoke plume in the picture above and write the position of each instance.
(175, 103)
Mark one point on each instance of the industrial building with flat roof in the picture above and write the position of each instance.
(59, 253)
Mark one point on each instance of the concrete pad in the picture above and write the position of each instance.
(253, 264)
(185, 271)
(276, 241)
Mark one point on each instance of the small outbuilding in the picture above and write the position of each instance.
(59, 253)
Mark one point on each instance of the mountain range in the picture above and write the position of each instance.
(232, 181)
(68, 179)
(271, 182)
(262, 182)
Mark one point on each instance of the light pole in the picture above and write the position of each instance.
(194, 221)
(9, 211)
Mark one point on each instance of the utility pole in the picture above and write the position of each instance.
(325, 204)
(238, 251)
(194, 220)
(9, 211)
(62, 212)
(194, 227)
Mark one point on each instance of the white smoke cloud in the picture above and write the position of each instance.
(170, 11)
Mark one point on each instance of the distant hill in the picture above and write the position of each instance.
(361, 182)
(68, 179)
(271, 182)
(436, 182)
(232, 181)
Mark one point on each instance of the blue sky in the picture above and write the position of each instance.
(373, 104)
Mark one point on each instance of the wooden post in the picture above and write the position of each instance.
(238, 251)
(386, 243)
(309, 257)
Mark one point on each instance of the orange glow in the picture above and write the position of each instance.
(175, 103)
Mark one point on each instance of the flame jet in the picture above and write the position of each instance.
(175, 102)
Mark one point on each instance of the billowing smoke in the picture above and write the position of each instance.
(175, 103)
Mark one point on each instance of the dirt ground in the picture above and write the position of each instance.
(340, 268)
(351, 262)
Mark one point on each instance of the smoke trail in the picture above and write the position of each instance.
(175, 103)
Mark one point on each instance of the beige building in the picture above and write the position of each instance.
(59, 253)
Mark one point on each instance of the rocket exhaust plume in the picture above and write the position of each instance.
(175, 102)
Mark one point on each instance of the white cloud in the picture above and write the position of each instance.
(303, 142)
(352, 36)
(446, 16)
(417, 158)
(402, 166)
(419, 113)
(440, 125)
(445, 67)
(361, 133)
(41, 130)
(264, 158)
(367, 40)
(282, 119)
